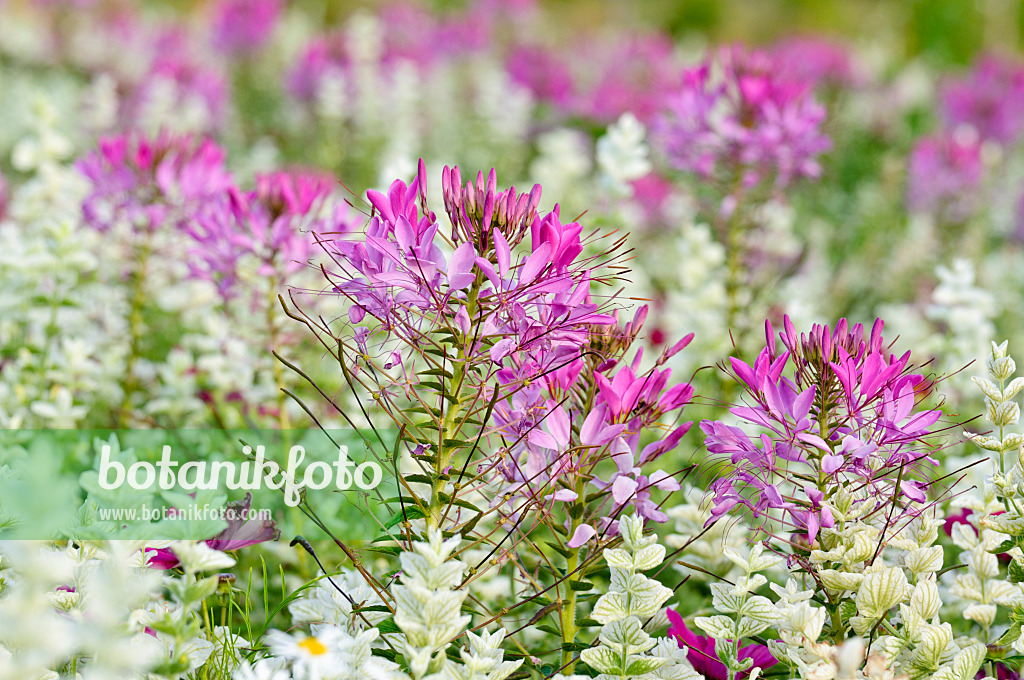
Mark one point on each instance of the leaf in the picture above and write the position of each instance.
(880, 591)
(603, 660)
(718, 627)
(409, 513)
(564, 552)
(388, 625)
(759, 609)
(1016, 570)
(637, 666)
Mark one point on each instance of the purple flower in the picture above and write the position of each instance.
(945, 175)
(241, 532)
(835, 407)
(176, 72)
(633, 73)
(735, 116)
(274, 224)
(322, 57)
(243, 26)
(702, 656)
(816, 61)
(542, 72)
(990, 99)
(146, 182)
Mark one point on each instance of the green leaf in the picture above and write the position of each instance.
(388, 625)
(1016, 570)
(580, 585)
(564, 552)
(386, 549)
(409, 513)
(1006, 546)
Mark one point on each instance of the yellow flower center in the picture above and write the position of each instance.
(313, 646)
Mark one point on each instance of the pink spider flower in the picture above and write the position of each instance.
(990, 99)
(737, 116)
(147, 181)
(543, 73)
(275, 224)
(241, 532)
(830, 407)
(945, 176)
(702, 656)
(816, 61)
(632, 75)
(243, 26)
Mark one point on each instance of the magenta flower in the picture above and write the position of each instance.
(323, 56)
(542, 72)
(241, 532)
(816, 61)
(701, 651)
(146, 182)
(510, 292)
(194, 86)
(945, 176)
(736, 116)
(834, 408)
(275, 225)
(990, 99)
(243, 26)
(633, 75)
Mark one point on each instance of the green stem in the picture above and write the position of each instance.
(283, 420)
(135, 325)
(568, 613)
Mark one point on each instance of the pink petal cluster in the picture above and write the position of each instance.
(511, 286)
(243, 26)
(274, 224)
(146, 182)
(990, 99)
(945, 176)
(178, 64)
(633, 74)
(240, 533)
(816, 61)
(832, 407)
(700, 651)
(737, 118)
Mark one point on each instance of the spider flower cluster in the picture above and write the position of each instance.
(737, 118)
(506, 294)
(827, 410)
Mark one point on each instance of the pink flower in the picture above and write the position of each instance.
(633, 75)
(867, 434)
(273, 224)
(241, 532)
(543, 73)
(816, 61)
(702, 656)
(990, 99)
(945, 176)
(148, 181)
(243, 26)
(748, 122)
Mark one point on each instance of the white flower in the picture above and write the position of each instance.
(196, 557)
(311, 656)
(270, 668)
